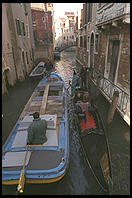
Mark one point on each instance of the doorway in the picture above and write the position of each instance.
(92, 51)
(113, 54)
(6, 78)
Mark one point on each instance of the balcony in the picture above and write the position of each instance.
(112, 12)
(107, 88)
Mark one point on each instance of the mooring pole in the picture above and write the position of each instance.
(112, 107)
(98, 85)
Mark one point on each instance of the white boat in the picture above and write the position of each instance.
(39, 70)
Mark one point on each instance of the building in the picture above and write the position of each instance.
(104, 47)
(43, 32)
(17, 43)
(65, 30)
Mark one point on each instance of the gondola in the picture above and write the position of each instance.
(39, 71)
(45, 163)
(94, 141)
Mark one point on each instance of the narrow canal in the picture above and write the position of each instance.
(79, 179)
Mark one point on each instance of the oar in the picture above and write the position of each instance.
(21, 182)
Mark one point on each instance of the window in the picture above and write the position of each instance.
(23, 29)
(76, 41)
(27, 30)
(27, 58)
(30, 55)
(89, 11)
(85, 41)
(81, 41)
(18, 26)
(43, 19)
(96, 42)
(88, 44)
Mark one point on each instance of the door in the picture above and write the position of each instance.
(92, 51)
(113, 58)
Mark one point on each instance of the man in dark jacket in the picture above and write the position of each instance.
(83, 74)
(75, 83)
(48, 65)
(37, 130)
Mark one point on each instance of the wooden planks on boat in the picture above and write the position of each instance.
(27, 106)
(44, 100)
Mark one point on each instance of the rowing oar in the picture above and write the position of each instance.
(21, 182)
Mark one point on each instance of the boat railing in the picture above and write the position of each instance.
(108, 88)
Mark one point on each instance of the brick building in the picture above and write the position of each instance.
(43, 33)
(103, 45)
(42, 24)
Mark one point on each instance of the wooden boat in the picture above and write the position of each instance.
(38, 71)
(46, 163)
(94, 142)
(56, 55)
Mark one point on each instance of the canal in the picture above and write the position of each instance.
(79, 179)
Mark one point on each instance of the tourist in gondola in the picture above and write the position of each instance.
(37, 130)
(78, 97)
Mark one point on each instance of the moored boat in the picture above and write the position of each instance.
(38, 71)
(94, 141)
(49, 162)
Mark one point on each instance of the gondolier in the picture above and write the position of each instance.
(83, 74)
(75, 83)
(48, 65)
(37, 130)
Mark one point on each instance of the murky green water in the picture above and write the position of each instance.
(79, 179)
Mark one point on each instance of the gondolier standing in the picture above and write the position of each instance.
(75, 83)
(48, 65)
(83, 74)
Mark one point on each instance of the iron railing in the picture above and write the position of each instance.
(108, 88)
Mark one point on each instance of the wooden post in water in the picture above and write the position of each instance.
(98, 85)
(113, 107)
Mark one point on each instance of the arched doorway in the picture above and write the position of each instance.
(6, 78)
(92, 51)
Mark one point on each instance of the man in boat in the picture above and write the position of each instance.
(78, 97)
(86, 97)
(83, 75)
(48, 65)
(37, 130)
(75, 83)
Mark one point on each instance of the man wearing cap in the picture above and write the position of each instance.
(48, 65)
(37, 130)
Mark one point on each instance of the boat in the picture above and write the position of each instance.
(38, 71)
(46, 163)
(56, 55)
(94, 141)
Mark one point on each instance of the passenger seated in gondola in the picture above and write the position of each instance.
(81, 115)
(78, 97)
(86, 97)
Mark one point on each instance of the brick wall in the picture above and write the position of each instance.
(43, 22)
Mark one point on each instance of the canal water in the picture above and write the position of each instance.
(79, 179)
